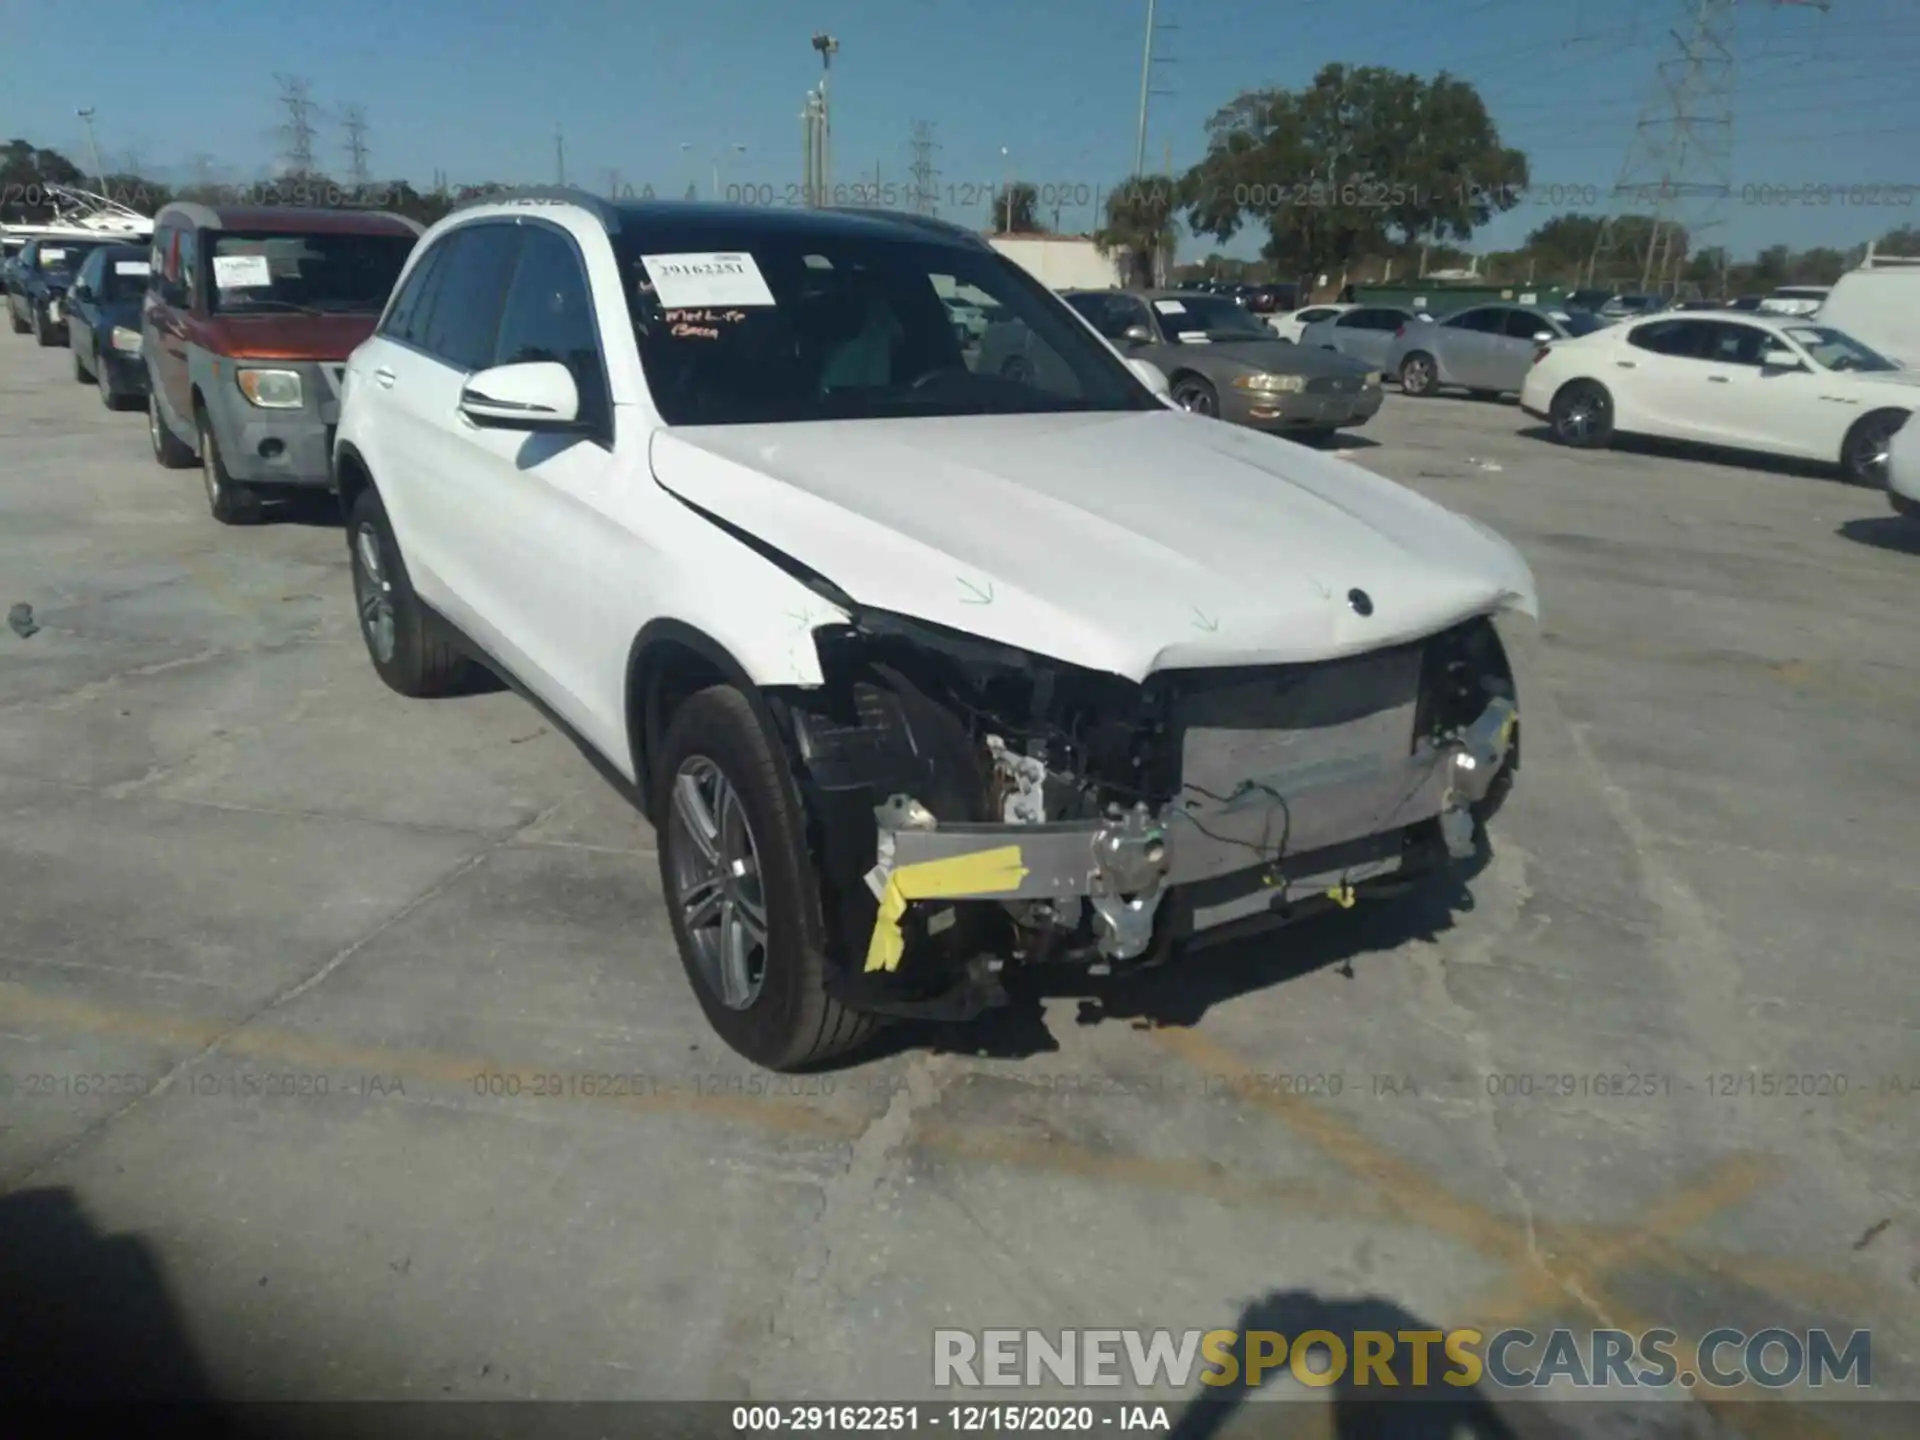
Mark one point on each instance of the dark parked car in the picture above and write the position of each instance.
(103, 322)
(250, 316)
(38, 286)
(1272, 299)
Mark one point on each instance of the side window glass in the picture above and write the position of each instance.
(189, 276)
(1524, 324)
(1679, 338)
(1475, 320)
(549, 316)
(1739, 344)
(468, 297)
(407, 316)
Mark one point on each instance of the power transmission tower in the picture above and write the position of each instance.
(1678, 169)
(354, 120)
(559, 156)
(1147, 61)
(926, 176)
(297, 132)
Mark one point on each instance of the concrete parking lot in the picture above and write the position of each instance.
(276, 946)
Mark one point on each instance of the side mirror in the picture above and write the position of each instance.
(537, 395)
(1544, 337)
(1151, 376)
(1136, 335)
(1776, 359)
(80, 291)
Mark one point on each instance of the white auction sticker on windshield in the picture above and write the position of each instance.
(242, 272)
(47, 257)
(1194, 337)
(1169, 307)
(697, 280)
(132, 267)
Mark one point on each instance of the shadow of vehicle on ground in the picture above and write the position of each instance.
(1709, 455)
(1884, 532)
(1180, 991)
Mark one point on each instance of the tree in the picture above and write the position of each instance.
(1016, 210)
(1362, 159)
(1139, 224)
(25, 171)
(1903, 241)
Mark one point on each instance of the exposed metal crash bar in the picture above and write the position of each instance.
(1122, 865)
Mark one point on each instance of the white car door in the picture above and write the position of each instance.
(543, 539)
(440, 530)
(1800, 410)
(1659, 377)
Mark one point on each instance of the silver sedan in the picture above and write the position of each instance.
(1363, 332)
(1487, 349)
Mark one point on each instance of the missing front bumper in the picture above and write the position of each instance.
(1236, 854)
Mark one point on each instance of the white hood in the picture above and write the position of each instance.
(1129, 542)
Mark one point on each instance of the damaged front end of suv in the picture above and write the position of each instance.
(974, 806)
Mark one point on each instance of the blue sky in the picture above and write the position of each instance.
(475, 88)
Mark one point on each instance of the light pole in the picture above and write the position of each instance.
(93, 145)
(828, 48)
(1146, 73)
(1006, 193)
(717, 158)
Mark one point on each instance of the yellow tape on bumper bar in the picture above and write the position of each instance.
(988, 872)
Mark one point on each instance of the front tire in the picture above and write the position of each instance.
(228, 501)
(741, 891)
(1863, 455)
(1581, 414)
(1196, 396)
(1418, 377)
(167, 449)
(407, 643)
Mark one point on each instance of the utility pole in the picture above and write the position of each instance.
(298, 129)
(354, 120)
(559, 155)
(93, 145)
(1678, 166)
(1147, 62)
(926, 188)
(613, 184)
(1006, 191)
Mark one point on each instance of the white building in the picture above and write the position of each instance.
(1062, 262)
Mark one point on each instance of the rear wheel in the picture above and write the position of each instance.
(1582, 415)
(228, 501)
(1863, 455)
(742, 894)
(1417, 374)
(408, 644)
(42, 329)
(167, 448)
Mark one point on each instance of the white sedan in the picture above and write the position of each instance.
(1774, 384)
(1289, 326)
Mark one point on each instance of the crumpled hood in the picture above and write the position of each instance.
(1128, 542)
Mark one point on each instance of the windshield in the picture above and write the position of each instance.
(310, 274)
(1579, 322)
(1837, 350)
(1210, 317)
(802, 326)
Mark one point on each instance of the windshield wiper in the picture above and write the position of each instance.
(268, 302)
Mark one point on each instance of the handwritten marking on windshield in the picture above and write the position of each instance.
(979, 596)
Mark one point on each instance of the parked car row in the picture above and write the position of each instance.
(922, 667)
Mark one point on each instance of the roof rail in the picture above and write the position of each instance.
(1874, 261)
(949, 228)
(603, 209)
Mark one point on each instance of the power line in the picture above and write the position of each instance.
(926, 175)
(354, 120)
(297, 131)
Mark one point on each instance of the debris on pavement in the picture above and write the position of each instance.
(20, 620)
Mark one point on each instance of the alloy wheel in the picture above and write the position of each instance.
(1580, 417)
(1415, 377)
(1871, 448)
(717, 884)
(373, 594)
(1194, 400)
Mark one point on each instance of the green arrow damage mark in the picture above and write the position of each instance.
(977, 596)
(1201, 622)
